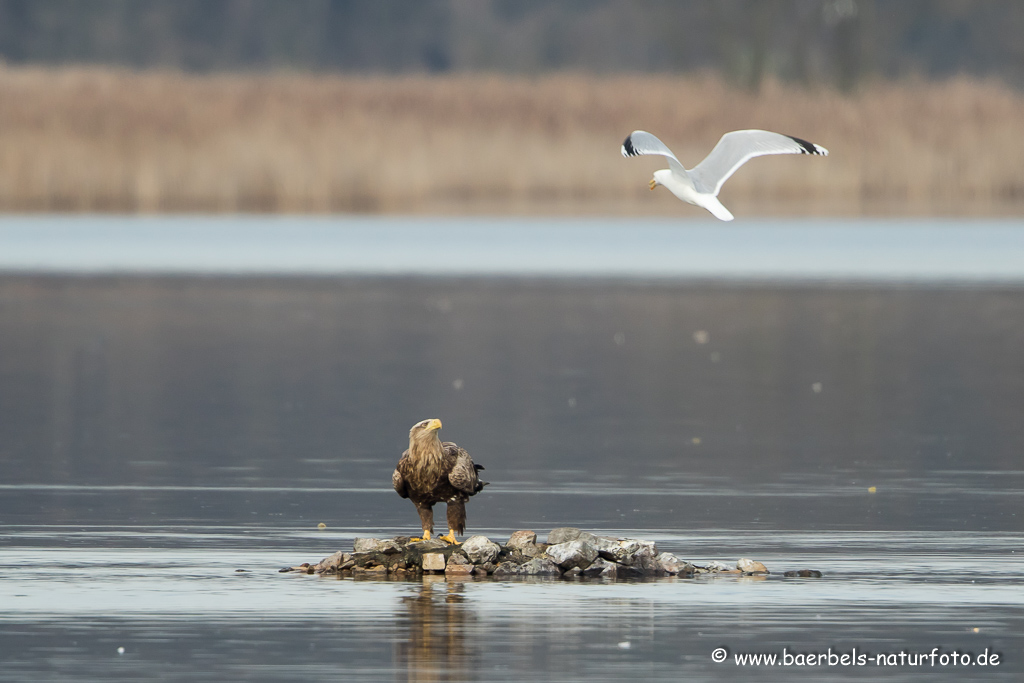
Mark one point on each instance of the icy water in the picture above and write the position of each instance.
(182, 401)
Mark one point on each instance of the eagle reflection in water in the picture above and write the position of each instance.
(437, 618)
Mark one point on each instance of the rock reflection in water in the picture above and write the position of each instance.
(436, 619)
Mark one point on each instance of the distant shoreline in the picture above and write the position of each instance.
(92, 139)
(793, 251)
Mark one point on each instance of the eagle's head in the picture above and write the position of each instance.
(424, 434)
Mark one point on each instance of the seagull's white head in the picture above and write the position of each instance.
(659, 177)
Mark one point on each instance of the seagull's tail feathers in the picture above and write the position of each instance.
(716, 208)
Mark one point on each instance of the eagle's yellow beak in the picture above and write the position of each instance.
(654, 183)
(434, 424)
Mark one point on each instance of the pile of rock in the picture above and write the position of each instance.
(568, 552)
(571, 552)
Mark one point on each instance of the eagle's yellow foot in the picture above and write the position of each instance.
(426, 537)
(450, 538)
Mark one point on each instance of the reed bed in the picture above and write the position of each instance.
(100, 139)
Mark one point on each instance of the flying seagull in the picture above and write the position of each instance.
(433, 472)
(700, 185)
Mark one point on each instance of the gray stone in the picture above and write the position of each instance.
(673, 565)
(563, 535)
(624, 550)
(366, 559)
(634, 571)
(376, 545)
(748, 566)
(522, 546)
(573, 573)
(480, 549)
(568, 533)
(458, 564)
(433, 562)
(601, 567)
(484, 569)
(527, 552)
(572, 554)
(514, 556)
(716, 567)
(365, 545)
(647, 562)
(388, 547)
(540, 566)
(506, 569)
(424, 546)
(520, 539)
(330, 564)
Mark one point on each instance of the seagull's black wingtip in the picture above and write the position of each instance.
(627, 147)
(808, 147)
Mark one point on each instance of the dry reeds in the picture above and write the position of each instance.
(92, 139)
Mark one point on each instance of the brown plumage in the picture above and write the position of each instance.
(434, 472)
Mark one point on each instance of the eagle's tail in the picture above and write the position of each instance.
(480, 484)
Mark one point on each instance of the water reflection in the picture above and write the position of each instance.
(438, 622)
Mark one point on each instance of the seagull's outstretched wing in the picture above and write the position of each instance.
(736, 148)
(641, 142)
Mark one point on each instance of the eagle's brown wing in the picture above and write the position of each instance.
(463, 473)
(397, 480)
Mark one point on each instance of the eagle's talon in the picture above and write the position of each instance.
(449, 539)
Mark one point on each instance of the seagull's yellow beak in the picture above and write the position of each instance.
(654, 183)
(434, 424)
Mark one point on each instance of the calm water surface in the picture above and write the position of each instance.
(173, 411)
